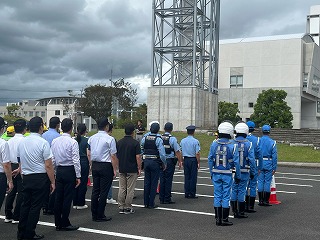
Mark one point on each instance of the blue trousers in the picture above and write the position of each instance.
(151, 177)
(264, 180)
(239, 190)
(166, 178)
(190, 166)
(81, 190)
(252, 186)
(222, 183)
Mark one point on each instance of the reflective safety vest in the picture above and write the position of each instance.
(224, 157)
(243, 149)
(166, 143)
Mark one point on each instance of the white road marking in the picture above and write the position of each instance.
(301, 179)
(102, 232)
(298, 174)
(292, 184)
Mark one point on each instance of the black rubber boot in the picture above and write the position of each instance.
(241, 210)
(260, 199)
(266, 199)
(247, 204)
(225, 217)
(234, 208)
(251, 206)
(218, 215)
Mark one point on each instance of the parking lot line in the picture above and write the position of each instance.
(301, 179)
(101, 232)
(298, 174)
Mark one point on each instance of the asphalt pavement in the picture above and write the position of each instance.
(297, 217)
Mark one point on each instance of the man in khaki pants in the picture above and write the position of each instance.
(129, 155)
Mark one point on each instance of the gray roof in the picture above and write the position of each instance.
(304, 36)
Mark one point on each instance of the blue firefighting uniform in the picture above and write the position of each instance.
(247, 165)
(269, 153)
(223, 157)
(153, 160)
(252, 185)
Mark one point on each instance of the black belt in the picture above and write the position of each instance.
(189, 157)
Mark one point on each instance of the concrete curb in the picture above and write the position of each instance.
(290, 164)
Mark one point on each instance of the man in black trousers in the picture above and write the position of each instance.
(102, 153)
(66, 160)
(37, 173)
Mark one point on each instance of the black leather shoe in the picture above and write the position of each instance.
(69, 228)
(104, 219)
(36, 236)
(152, 207)
(169, 202)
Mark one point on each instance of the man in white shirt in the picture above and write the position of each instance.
(20, 127)
(5, 166)
(37, 173)
(66, 160)
(102, 152)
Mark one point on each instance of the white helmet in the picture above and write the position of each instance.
(242, 128)
(226, 128)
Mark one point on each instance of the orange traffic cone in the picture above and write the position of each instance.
(89, 184)
(273, 194)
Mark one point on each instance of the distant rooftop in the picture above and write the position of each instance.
(306, 37)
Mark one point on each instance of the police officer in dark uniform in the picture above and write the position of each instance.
(173, 155)
(190, 148)
(154, 160)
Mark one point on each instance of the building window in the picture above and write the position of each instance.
(318, 107)
(315, 83)
(30, 114)
(57, 112)
(250, 105)
(236, 77)
(43, 114)
(37, 114)
(64, 112)
(25, 113)
(305, 80)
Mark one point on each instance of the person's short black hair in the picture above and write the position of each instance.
(190, 131)
(168, 126)
(53, 122)
(20, 125)
(35, 123)
(154, 128)
(224, 135)
(129, 129)
(66, 125)
(241, 135)
(102, 123)
(2, 123)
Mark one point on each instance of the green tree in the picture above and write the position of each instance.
(271, 108)
(96, 100)
(228, 111)
(12, 109)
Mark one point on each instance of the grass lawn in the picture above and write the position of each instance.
(286, 153)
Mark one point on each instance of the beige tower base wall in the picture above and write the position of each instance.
(183, 106)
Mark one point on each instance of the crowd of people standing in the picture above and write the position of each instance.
(50, 170)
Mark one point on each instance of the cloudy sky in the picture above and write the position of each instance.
(50, 46)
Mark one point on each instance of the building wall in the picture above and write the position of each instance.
(277, 64)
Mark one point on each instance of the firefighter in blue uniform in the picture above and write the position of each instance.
(252, 185)
(268, 166)
(223, 157)
(154, 161)
(190, 148)
(247, 168)
(173, 155)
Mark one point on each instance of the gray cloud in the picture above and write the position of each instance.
(48, 47)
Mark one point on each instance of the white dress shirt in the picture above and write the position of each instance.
(102, 146)
(33, 151)
(4, 154)
(13, 146)
(66, 152)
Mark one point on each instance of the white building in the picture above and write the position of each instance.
(313, 23)
(288, 62)
(62, 107)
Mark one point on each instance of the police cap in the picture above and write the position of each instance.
(191, 127)
(266, 128)
(168, 126)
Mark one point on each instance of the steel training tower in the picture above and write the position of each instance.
(185, 61)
